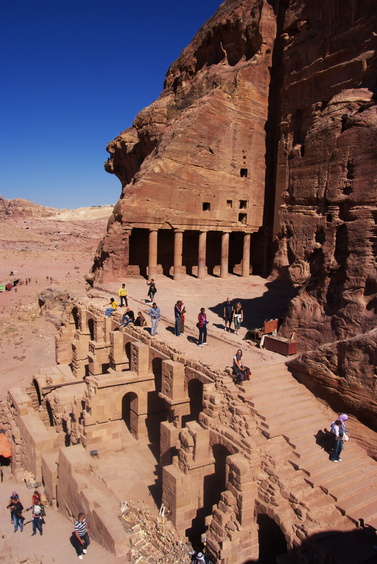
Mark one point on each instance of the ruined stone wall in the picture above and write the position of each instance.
(223, 474)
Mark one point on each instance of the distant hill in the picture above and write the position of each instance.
(24, 208)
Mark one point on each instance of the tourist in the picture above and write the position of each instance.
(154, 312)
(16, 509)
(11, 503)
(177, 317)
(123, 293)
(199, 558)
(183, 311)
(228, 314)
(82, 535)
(37, 520)
(140, 320)
(340, 436)
(237, 317)
(128, 317)
(36, 498)
(240, 371)
(113, 307)
(152, 290)
(202, 326)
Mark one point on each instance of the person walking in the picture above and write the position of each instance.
(202, 326)
(228, 314)
(82, 535)
(155, 314)
(113, 307)
(152, 290)
(237, 317)
(123, 293)
(37, 520)
(178, 318)
(340, 435)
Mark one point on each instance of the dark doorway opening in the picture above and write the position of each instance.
(213, 257)
(214, 485)
(165, 255)
(75, 315)
(91, 328)
(272, 542)
(190, 250)
(235, 250)
(129, 412)
(195, 393)
(138, 251)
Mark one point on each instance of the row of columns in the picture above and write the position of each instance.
(178, 250)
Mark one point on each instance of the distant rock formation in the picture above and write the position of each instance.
(23, 208)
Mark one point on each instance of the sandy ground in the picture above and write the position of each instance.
(57, 253)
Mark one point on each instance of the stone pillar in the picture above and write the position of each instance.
(152, 256)
(202, 254)
(246, 256)
(224, 255)
(178, 248)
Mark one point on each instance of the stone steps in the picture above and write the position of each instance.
(347, 481)
(282, 403)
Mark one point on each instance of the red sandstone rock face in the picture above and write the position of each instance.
(342, 373)
(295, 79)
(327, 170)
(190, 146)
(23, 208)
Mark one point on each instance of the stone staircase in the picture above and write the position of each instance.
(287, 408)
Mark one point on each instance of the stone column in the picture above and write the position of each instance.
(152, 255)
(178, 248)
(246, 256)
(224, 267)
(202, 254)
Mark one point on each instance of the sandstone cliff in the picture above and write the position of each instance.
(285, 90)
(191, 145)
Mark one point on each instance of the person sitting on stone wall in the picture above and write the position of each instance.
(240, 371)
(127, 318)
(140, 320)
(113, 307)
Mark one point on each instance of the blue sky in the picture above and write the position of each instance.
(73, 76)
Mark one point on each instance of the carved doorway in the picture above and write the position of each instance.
(130, 412)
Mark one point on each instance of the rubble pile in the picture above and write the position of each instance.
(153, 539)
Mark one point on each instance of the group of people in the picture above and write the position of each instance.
(80, 537)
(37, 512)
(232, 314)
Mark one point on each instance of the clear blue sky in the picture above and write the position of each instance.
(73, 76)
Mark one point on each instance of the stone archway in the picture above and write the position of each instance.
(130, 412)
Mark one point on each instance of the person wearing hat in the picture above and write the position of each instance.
(199, 558)
(37, 520)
